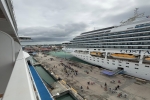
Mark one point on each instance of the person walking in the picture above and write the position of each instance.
(87, 87)
(118, 86)
(81, 88)
(119, 81)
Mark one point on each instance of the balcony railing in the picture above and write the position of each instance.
(20, 86)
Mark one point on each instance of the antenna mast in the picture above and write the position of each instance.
(136, 11)
(136, 15)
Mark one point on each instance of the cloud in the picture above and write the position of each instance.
(55, 33)
(61, 20)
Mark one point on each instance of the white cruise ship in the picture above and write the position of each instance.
(18, 78)
(125, 47)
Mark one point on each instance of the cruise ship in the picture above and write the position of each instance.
(125, 47)
(18, 78)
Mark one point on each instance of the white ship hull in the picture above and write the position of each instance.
(136, 69)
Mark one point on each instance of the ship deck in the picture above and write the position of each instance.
(43, 92)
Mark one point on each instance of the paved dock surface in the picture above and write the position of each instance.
(100, 86)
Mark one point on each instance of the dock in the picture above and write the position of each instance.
(96, 90)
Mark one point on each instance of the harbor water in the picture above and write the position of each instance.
(66, 55)
(44, 75)
(65, 97)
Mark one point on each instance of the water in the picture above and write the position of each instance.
(44, 75)
(34, 60)
(65, 97)
(63, 54)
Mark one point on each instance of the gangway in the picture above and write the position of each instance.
(42, 90)
(118, 71)
(112, 73)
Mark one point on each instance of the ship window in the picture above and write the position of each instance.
(107, 62)
(127, 63)
(127, 66)
(146, 66)
(119, 65)
(94, 49)
(113, 60)
(102, 61)
(137, 64)
(113, 64)
(136, 68)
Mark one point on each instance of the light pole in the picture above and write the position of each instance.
(65, 53)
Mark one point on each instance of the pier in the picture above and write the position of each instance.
(95, 85)
(58, 88)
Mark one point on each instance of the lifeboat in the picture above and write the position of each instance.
(147, 59)
(124, 56)
(97, 54)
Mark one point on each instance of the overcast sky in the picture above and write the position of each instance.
(58, 21)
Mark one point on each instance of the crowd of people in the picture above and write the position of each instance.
(69, 71)
(76, 65)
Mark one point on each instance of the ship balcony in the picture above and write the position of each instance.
(25, 83)
(15, 81)
(8, 23)
(20, 86)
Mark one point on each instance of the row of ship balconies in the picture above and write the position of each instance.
(95, 33)
(123, 33)
(103, 30)
(111, 46)
(8, 4)
(116, 43)
(129, 39)
(145, 33)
